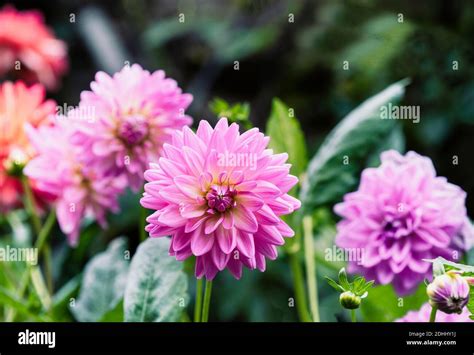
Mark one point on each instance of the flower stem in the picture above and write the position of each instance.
(311, 275)
(198, 304)
(298, 286)
(39, 245)
(353, 315)
(143, 215)
(30, 204)
(207, 302)
(433, 314)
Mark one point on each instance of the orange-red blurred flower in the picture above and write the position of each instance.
(19, 105)
(25, 38)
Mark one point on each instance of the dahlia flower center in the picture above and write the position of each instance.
(133, 129)
(220, 198)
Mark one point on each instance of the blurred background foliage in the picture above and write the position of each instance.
(293, 50)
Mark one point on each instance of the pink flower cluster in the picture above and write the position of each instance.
(88, 158)
(401, 215)
(29, 48)
(423, 315)
(226, 212)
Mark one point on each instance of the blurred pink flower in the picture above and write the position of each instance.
(19, 105)
(423, 315)
(220, 195)
(24, 37)
(78, 188)
(131, 115)
(401, 214)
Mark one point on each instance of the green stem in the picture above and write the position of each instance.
(353, 315)
(48, 268)
(207, 301)
(39, 244)
(433, 314)
(143, 215)
(311, 275)
(298, 286)
(198, 304)
(30, 204)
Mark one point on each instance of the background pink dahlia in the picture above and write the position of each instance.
(401, 214)
(19, 105)
(79, 190)
(24, 37)
(220, 195)
(423, 315)
(131, 115)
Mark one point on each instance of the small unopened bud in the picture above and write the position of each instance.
(449, 292)
(349, 300)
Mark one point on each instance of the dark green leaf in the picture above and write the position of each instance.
(286, 136)
(336, 167)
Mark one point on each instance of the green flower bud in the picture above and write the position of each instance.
(349, 300)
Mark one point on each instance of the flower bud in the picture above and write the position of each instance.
(349, 300)
(449, 292)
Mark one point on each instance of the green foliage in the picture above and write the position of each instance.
(238, 112)
(157, 287)
(103, 283)
(286, 136)
(384, 305)
(354, 139)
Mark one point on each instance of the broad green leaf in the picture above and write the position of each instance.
(336, 167)
(384, 305)
(157, 286)
(286, 136)
(103, 283)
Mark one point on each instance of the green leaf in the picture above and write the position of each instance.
(286, 136)
(384, 305)
(334, 284)
(238, 112)
(63, 297)
(103, 283)
(365, 288)
(343, 279)
(114, 315)
(470, 305)
(336, 167)
(358, 283)
(157, 286)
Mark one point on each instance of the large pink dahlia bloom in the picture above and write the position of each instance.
(220, 195)
(79, 189)
(24, 37)
(423, 315)
(401, 214)
(132, 114)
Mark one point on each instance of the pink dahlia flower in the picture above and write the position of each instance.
(133, 114)
(449, 292)
(423, 315)
(220, 195)
(19, 105)
(24, 37)
(79, 189)
(401, 214)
